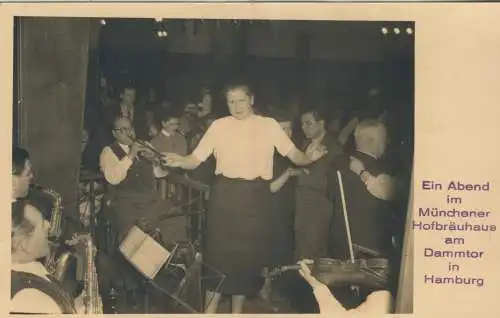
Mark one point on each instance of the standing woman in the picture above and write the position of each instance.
(238, 220)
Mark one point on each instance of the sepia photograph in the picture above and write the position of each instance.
(169, 165)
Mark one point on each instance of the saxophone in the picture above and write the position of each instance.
(55, 229)
(55, 264)
(91, 297)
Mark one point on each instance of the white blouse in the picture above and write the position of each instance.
(244, 148)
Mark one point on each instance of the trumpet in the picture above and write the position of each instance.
(154, 155)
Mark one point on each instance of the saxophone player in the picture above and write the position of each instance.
(29, 242)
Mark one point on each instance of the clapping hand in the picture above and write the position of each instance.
(356, 165)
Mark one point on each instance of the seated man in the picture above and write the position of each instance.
(29, 237)
(132, 198)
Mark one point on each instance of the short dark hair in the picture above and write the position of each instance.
(19, 158)
(317, 113)
(239, 85)
(166, 114)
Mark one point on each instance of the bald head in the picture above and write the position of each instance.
(371, 137)
(121, 121)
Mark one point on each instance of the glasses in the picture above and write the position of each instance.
(123, 129)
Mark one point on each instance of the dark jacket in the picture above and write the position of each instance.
(317, 177)
(370, 219)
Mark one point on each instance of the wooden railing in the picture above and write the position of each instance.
(190, 199)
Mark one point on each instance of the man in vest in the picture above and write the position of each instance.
(33, 290)
(132, 197)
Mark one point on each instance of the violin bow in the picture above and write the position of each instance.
(347, 225)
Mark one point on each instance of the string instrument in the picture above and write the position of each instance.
(369, 273)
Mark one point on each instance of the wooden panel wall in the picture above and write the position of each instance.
(53, 71)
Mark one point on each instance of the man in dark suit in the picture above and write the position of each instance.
(128, 108)
(313, 209)
(370, 217)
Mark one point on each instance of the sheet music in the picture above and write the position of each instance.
(144, 253)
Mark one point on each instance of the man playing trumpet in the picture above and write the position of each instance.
(132, 197)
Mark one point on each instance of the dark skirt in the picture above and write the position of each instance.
(237, 233)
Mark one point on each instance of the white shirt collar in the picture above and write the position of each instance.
(166, 133)
(124, 147)
(367, 153)
(30, 267)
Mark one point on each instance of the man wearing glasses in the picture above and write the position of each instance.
(132, 198)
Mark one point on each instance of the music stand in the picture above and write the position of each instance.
(187, 294)
(179, 276)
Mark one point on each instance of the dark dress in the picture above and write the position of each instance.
(237, 233)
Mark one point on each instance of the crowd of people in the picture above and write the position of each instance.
(275, 199)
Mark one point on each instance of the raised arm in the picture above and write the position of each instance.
(204, 149)
(302, 159)
(188, 162)
(347, 130)
(115, 170)
(286, 148)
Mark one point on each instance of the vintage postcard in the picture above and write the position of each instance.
(255, 158)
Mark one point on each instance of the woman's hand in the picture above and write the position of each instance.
(318, 152)
(172, 160)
